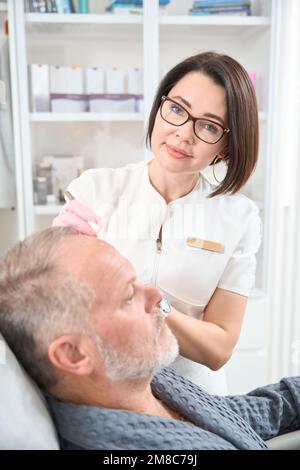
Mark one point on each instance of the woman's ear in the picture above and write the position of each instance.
(224, 153)
(70, 354)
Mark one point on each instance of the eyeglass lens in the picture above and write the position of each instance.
(204, 129)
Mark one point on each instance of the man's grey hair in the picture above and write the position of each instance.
(39, 302)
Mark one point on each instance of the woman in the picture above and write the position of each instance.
(194, 240)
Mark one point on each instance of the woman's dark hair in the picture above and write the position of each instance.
(242, 112)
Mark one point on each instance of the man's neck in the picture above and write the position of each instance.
(135, 396)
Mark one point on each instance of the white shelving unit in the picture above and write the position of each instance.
(156, 42)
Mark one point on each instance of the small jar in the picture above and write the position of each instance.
(40, 190)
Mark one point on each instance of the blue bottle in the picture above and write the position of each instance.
(83, 6)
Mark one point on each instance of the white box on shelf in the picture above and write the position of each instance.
(74, 80)
(58, 79)
(66, 79)
(64, 169)
(64, 103)
(94, 80)
(115, 80)
(112, 103)
(139, 103)
(39, 88)
(135, 81)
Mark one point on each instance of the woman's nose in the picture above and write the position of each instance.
(186, 132)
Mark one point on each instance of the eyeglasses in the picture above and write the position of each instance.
(205, 129)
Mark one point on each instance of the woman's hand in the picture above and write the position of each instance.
(80, 217)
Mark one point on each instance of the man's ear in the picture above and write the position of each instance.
(69, 354)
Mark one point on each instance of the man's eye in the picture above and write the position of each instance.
(130, 300)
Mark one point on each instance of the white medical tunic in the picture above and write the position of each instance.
(134, 213)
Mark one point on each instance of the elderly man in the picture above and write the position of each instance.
(93, 338)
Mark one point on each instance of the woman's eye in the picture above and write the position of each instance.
(176, 109)
(209, 127)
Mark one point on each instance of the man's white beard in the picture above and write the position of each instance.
(131, 365)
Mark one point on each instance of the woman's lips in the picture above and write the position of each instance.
(176, 153)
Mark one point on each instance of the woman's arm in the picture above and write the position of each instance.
(210, 341)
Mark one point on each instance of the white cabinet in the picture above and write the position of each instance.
(155, 42)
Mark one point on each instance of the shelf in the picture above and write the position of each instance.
(55, 18)
(83, 25)
(51, 23)
(186, 20)
(86, 117)
(214, 20)
(215, 25)
(51, 209)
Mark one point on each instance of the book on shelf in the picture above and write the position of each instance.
(51, 6)
(221, 13)
(130, 6)
(220, 3)
(217, 7)
(65, 6)
(37, 6)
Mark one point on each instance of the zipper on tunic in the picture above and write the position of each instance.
(157, 257)
(159, 241)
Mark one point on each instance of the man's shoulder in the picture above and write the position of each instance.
(169, 379)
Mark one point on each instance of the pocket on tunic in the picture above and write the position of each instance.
(190, 276)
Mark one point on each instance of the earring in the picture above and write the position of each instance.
(217, 160)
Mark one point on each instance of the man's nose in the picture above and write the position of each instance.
(153, 297)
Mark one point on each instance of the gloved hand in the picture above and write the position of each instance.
(79, 216)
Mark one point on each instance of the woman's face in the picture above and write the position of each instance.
(176, 148)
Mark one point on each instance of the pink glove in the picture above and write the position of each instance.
(80, 217)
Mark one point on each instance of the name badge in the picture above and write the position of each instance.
(205, 244)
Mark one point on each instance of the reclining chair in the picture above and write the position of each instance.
(25, 422)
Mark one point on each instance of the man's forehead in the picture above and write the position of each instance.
(88, 256)
(84, 243)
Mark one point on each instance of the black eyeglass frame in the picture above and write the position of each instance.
(193, 119)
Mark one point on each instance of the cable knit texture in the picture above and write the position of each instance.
(236, 422)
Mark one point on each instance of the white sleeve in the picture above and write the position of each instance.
(239, 273)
